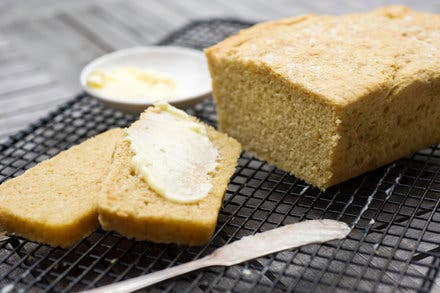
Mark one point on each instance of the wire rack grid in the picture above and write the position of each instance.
(393, 212)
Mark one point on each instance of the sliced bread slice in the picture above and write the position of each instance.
(130, 207)
(55, 201)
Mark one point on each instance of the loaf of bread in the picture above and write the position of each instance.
(130, 207)
(327, 98)
(55, 201)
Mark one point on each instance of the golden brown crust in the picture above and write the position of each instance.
(342, 59)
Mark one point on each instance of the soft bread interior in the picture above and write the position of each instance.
(55, 201)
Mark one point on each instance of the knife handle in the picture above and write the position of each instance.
(140, 282)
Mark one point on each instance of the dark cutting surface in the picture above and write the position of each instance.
(394, 244)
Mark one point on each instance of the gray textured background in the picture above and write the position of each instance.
(45, 43)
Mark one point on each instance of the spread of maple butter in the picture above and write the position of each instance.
(173, 154)
(132, 83)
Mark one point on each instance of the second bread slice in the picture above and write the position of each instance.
(55, 201)
(130, 207)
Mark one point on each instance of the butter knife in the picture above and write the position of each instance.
(249, 247)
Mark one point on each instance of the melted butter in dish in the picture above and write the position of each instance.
(132, 83)
(173, 154)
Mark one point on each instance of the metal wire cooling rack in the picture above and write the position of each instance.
(394, 244)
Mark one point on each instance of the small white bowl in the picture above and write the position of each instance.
(187, 66)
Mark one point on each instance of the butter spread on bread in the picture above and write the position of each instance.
(173, 154)
(130, 206)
